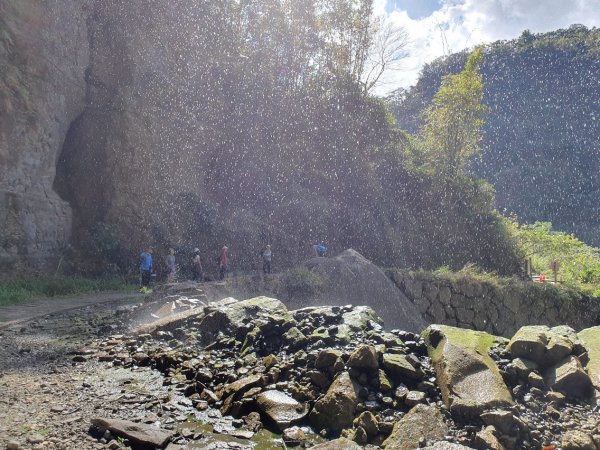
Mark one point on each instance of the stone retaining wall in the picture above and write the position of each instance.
(499, 309)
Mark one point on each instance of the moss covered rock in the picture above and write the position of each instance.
(467, 376)
(590, 337)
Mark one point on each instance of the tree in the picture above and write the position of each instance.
(389, 47)
(454, 120)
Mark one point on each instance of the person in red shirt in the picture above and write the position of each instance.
(542, 278)
(223, 262)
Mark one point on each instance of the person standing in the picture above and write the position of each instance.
(267, 256)
(223, 262)
(146, 266)
(197, 272)
(171, 267)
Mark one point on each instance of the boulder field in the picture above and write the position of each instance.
(331, 377)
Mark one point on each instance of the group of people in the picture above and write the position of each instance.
(146, 265)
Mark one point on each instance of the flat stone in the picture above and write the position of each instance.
(136, 432)
(242, 385)
(281, 408)
(468, 377)
(421, 422)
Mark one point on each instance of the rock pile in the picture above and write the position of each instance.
(335, 373)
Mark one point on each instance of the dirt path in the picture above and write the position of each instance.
(22, 312)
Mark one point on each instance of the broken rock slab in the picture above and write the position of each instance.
(569, 378)
(543, 345)
(335, 410)
(421, 422)
(468, 377)
(138, 433)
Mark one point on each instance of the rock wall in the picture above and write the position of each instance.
(43, 56)
(499, 309)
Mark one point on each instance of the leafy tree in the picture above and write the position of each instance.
(454, 120)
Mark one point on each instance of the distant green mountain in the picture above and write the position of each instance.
(541, 149)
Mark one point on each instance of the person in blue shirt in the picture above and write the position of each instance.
(146, 266)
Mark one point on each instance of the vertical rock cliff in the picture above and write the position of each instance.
(43, 57)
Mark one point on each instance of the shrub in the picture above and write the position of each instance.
(301, 281)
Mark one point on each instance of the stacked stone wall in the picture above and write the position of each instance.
(499, 309)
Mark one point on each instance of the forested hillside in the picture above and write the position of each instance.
(541, 147)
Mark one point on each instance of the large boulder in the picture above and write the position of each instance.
(280, 408)
(569, 378)
(421, 422)
(468, 378)
(590, 338)
(335, 410)
(543, 345)
(351, 278)
(229, 316)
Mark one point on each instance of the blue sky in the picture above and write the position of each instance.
(438, 27)
(416, 9)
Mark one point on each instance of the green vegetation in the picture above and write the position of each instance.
(302, 282)
(19, 290)
(579, 263)
(454, 120)
(538, 145)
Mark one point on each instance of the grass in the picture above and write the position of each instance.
(16, 291)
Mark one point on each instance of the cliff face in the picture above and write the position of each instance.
(43, 56)
(136, 149)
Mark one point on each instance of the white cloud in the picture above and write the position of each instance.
(461, 24)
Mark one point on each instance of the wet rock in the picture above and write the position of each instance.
(364, 358)
(414, 398)
(335, 410)
(420, 423)
(569, 378)
(242, 385)
(368, 422)
(338, 444)
(293, 436)
(401, 367)
(504, 421)
(294, 339)
(360, 436)
(137, 433)
(327, 358)
(467, 376)
(486, 439)
(281, 408)
(444, 445)
(577, 440)
(523, 367)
